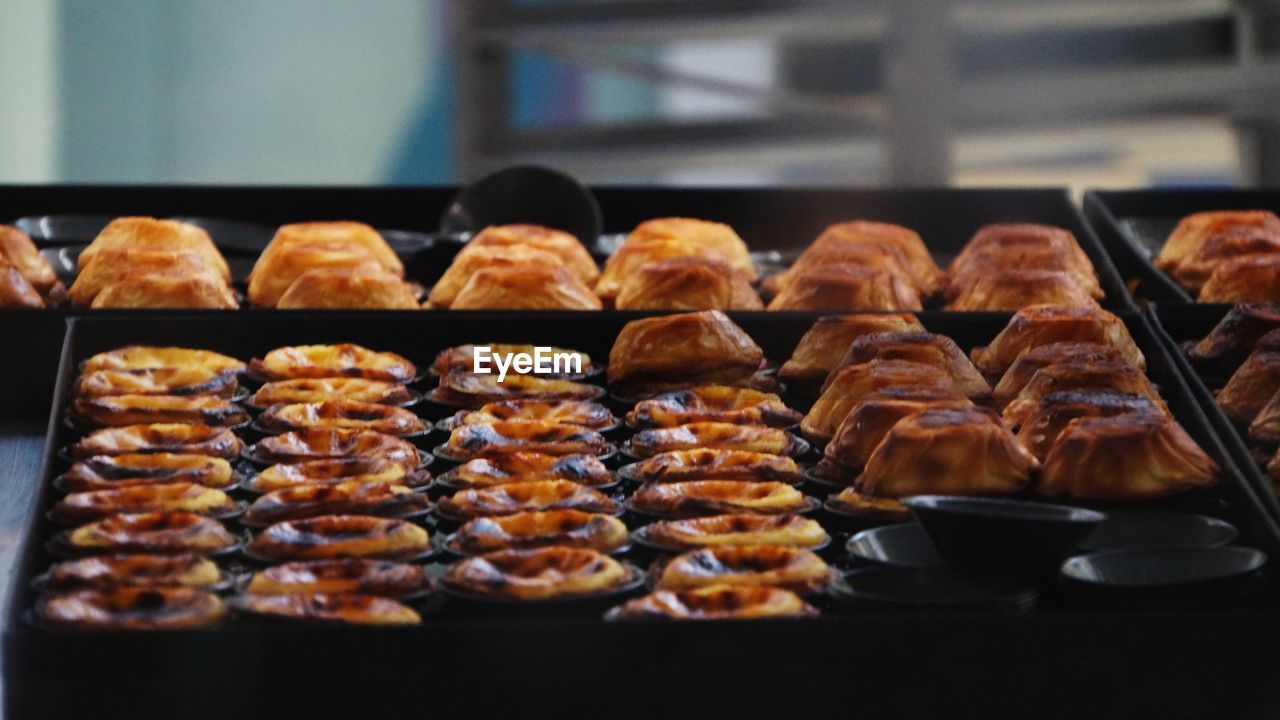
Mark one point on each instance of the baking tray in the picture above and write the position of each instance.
(776, 223)
(1058, 661)
(1177, 325)
(1133, 225)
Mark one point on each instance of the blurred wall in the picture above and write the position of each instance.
(29, 87)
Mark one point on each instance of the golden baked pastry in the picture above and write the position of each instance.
(326, 444)
(714, 436)
(341, 536)
(166, 533)
(1234, 337)
(1265, 427)
(131, 608)
(462, 357)
(15, 290)
(1138, 456)
(927, 348)
(789, 568)
(868, 508)
(148, 357)
(512, 467)
(151, 571)
(342, 415)
(718, 497)
(1251, 386)
(1195, 269)
(534, 287)
(582, 413)
(925, 274)
(351, 609)
(1037, 358)
(1253, 278)
(846, 288)
(462, 388)
(830, 251)
(871, 418)
(686, 284)
(826, 342)
(996, 290)
(514, 497)
(362, 576)
(571, 252)
(301, 247)
(332, 361)
(715, 602)
(464, 266)
(670, 352)
(20, 253)
(147, 233)
(336, 470)
(120, 267)
(538, 574)
(663, 238)
(855, 382)
(187, 439)
(1114, 375)
(310, 390)
(709, 464)
(351, 497)
(740, 529)
(120, 410)
(1195, 230)
(947, 452)
(713, 403)
(362, 288)
(80, 507)
(101, 472)
(1025, 246)
(467, 442)
(154, 290)
(187, 380)
(539, 528)
(1054, 412)
(1040, 325)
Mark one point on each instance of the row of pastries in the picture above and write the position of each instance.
(1225, 256)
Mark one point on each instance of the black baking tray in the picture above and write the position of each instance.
(1177, 325)
(1057, 661)
(776, 223)
(1133, 225)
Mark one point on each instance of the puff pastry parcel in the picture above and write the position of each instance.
(534, 287)
(333, 246)
(822, 347)
(670, 352)
(664, 238)
(685, 284)
(1040, 325)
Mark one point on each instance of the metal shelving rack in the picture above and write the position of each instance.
(890, 83)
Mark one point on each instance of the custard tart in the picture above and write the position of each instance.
(342, 415)
(468, 390)
(790, 568)
(715, 436)
(468, 442)
(462, 357)
(151, 571)
(512, 467)
(716, 497)
(336, 470)
(582, 413)
(670, 352)
(329, 444)
(330, 361)
(539, 528)
(713, 403)
(511, 498)
(345, 498)
(715, 602)
(309, 390)
(709, 464)
(822, 347)
(121, 410)
(147, 357)
(1040, 325)
(187, 439)
(101, 472)
(867, 508)
(186, 380)
(352, 609)
(341, 536)
(80, 507)
(132, 608)
(738, 529)
(167, 533)
(362, 576)
(538, 574)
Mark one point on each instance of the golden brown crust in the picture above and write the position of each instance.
(685, 350)
(15, 290)
(511, 498)
(361, 287)
(152, 571)
(135, 277)
(830, 251)
(152, 290)
(1194, 230)
(1195, 269)
(1040, 325)
(1025, 246)
(305, 390)
(538, 574)
(17, 249)
(1234, 337)
(188, 380)
(572, 254)
(718, 497)
(323, 444)
(737, 529)
(343, 415)
(467, 442)
(710, 464)
(716, 602)
(848, 288)
(527, 287)
(301, 247)
(526, 467)
(464, 266)
(1250, 387)
(1265, 427)
(122, 410)
(713, 403)
(947, 452)
(664, 238)
(193, 439)
(1129, 457)
(867, 507)
(1051, 416)
(794, 569)
(341, 536)
(334, 471)
(714, 436)
(382, 499)
(1254, 278)
(1114, 375)
(1022, 369)
(851, 384)
(331, 361)
(871, 418)
(583, 413)
(540, 528)
(926, 348)
(463, 388)
(144, 357)
(924, 272)
(165, 533)
(79, 507)
(131, 608)
(825, 343)
(686, 284)
(101, 472)
(1015, 289)
(154, 234)
(350, 608)
(362, 576)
